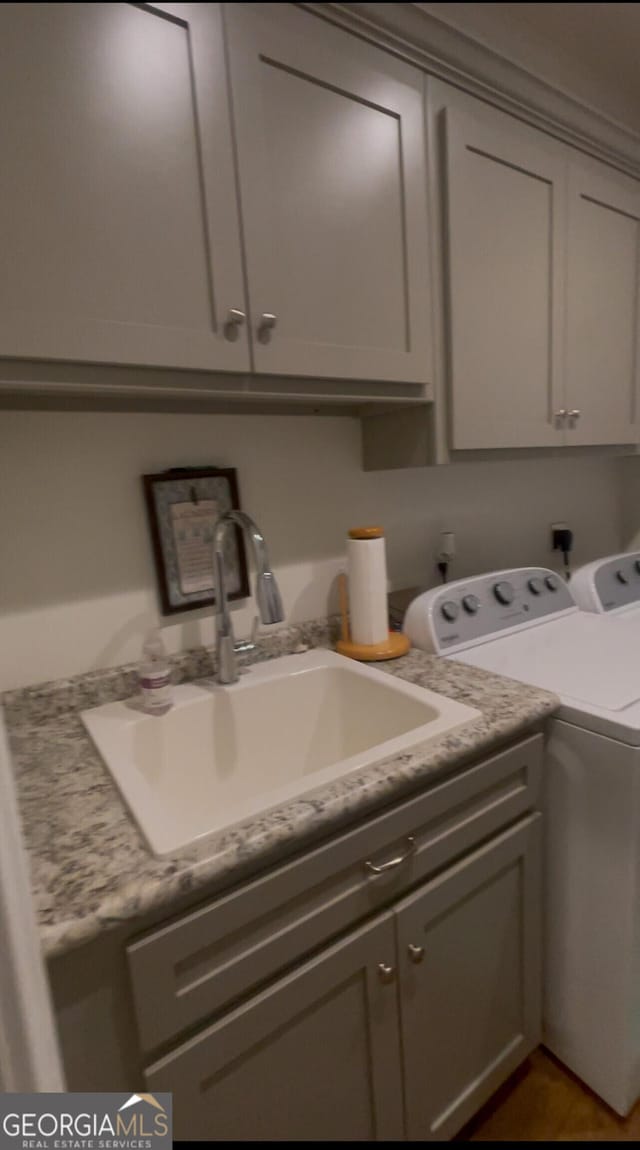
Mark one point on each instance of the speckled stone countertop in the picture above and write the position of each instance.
(91, 869)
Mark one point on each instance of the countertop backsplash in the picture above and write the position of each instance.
(48, 700)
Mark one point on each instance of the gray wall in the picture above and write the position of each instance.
(77, 586)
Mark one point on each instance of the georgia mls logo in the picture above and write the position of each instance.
(136, 1120)
(85, 1121)
(150, 1099)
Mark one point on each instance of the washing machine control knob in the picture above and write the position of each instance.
(471, 604)
(535, 586)
(450, 611)
(552, 582)
(504, 593)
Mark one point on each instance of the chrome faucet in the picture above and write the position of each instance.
(267, 593)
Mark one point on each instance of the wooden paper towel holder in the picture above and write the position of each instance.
(393, 647)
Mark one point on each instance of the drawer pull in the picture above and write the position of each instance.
(386, 973)
(416, 953)
(372, 868)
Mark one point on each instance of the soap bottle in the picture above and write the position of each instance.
(155, 675)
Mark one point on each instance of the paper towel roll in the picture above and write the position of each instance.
(367, 568)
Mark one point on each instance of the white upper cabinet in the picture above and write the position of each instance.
(119, 226)
(248, 188)
(331, 150)
(504, 245)
(602, 305)
(541, 254)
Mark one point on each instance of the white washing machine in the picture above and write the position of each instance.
(524, 624)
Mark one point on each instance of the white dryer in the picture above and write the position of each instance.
(524, 624)
(609, 586)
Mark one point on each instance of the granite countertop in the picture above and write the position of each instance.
(90, 867)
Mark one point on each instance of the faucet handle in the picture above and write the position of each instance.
(255, 627)
(243, 646)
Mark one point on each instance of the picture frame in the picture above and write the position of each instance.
(183, 504)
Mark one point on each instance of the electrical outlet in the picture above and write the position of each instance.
(556, 527)
(447, 550)
(562, 540)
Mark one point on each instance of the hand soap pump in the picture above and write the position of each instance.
(155, 675)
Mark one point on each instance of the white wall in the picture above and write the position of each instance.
(77, 584)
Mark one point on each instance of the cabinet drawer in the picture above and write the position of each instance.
(193, 967)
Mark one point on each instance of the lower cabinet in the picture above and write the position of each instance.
(469, 966)
(400, 1030)
(316, 1056)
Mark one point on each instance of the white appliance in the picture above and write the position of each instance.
(29, 1056)
(608, 585)
(524, 624)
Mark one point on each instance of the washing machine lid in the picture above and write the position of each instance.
(591, 661)
(524, 623)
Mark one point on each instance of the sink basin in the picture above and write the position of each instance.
(223, 754)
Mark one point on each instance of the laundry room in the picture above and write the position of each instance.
(320, 491)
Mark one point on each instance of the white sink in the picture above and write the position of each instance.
(223, 754)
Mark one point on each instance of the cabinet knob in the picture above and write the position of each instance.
(574, 414)
(416, 953)
(233, 323)
(266, 325)
(386, 973)
(560, 415)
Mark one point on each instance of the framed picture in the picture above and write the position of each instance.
(183, 505)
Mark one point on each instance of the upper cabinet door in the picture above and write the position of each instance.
(119, 227)
(505, 211)
(602, 305)
(331, 151)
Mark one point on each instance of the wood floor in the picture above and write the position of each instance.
(543, 1102)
